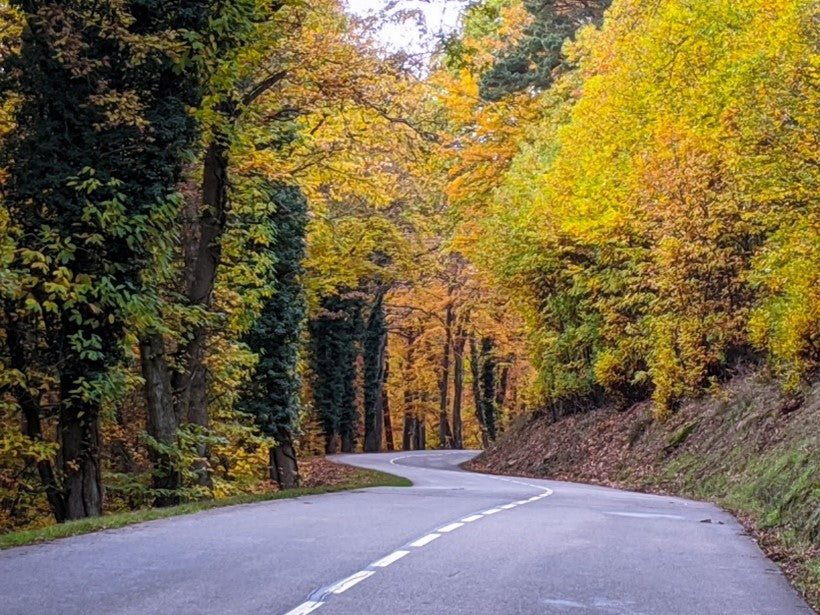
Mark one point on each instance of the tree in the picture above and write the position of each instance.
(93, 162)
(272, 394)
(374, 349)
(334, 335)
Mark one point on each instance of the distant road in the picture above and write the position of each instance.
(454, 543)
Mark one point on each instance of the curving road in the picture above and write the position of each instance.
(454, 543)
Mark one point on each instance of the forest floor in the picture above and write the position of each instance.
(318, 476)
(745, 447)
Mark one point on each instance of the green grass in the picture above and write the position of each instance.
(359, 480)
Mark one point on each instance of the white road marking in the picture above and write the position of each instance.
(471, 518)
(389, 559)
(321, 595)
(345, 584)
(424, 540)
(305, 608)
(451, 527)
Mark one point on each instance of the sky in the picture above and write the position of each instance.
(439, 15)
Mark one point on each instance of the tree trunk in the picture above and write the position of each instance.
(458, 387)
(388, 423)
(420, 433)
(409, 437)
(202, 257)
(163, 423)
(348, 442)
(501, 392)
(283, 464)
(488, 364)
(80, 454)
(32, 426)
(330, 444)
(475, 372)
(375, 347)
(445, 437)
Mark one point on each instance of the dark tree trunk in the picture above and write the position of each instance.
(488, 364)
(330, 444)
(475, 372)
(458, 387)
(420, 433)
(409, 438)
(79, 452)
(375, 347)
(503, 386)
(32, 426)
(163, 423)
(202, 257)
(445, 437)
(283, 463)
(348, 442)
(388, 423)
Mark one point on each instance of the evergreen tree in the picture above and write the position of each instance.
(374, 345)
(530, 63)
(334, 334)
(272, 395)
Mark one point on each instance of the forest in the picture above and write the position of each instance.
(235, 234)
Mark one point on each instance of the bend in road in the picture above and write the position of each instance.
(455, 542)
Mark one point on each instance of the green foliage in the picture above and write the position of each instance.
(272, 394)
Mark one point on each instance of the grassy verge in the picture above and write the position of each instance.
(358, 479)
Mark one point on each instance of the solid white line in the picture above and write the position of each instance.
(425, 540)
(345, 584)
(305, 608)
(509, 506)
(393, 557)
(471, 518)
(492, 511)
(520, 502)
(451, 527)
(534, 498)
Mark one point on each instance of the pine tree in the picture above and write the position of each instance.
(530, 63)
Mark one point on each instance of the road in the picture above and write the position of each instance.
(454, 543)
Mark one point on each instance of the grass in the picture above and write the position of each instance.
(359, 479)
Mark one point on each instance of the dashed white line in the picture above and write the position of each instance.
(424, 540)
(345, 584)
(389, 559)
(451, 527)
(305, 608)
(320, 596)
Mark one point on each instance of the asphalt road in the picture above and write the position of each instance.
(454, 543)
